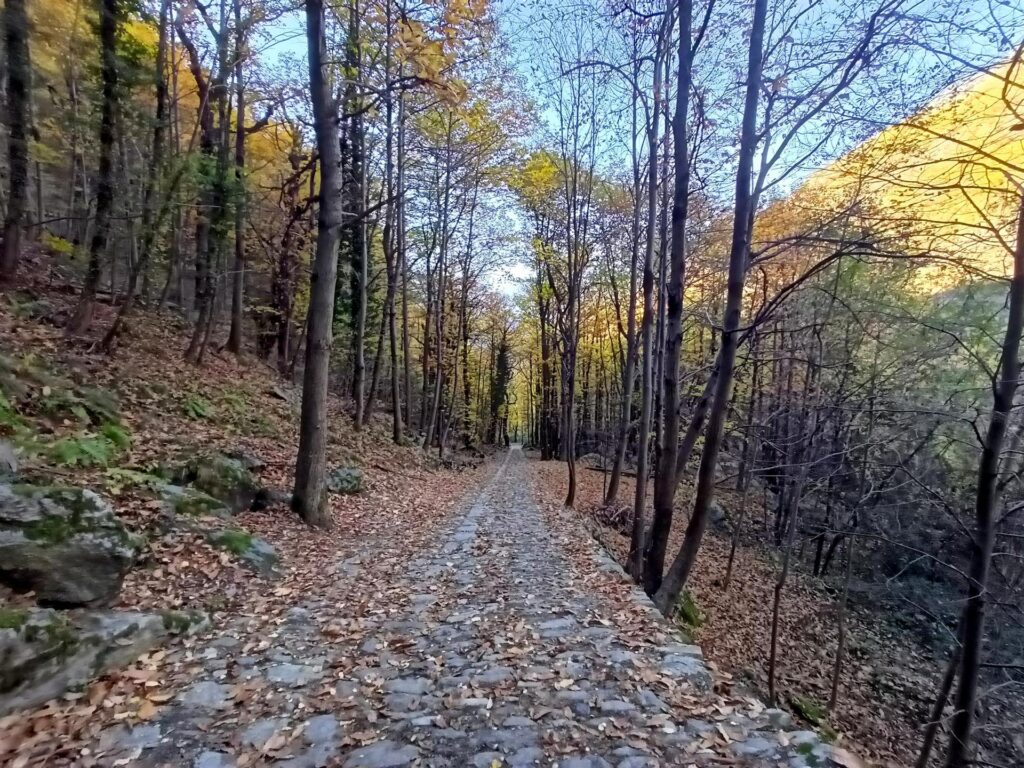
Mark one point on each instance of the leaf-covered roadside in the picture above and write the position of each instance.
(181, 574)
(887, 681)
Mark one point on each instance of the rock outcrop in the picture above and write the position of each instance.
(222, 477)
(44, 653)
(253, 551)
(65, 544)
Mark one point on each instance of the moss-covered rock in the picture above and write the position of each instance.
(50, 652)
(184, 622)
(189, 502)
(234, 540)
(12, 618)
(222, 477)
(345, 480)
(65, 544)
(808, 709)
(688, 611)
(251, 550)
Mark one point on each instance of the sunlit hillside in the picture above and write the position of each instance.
(944, 182)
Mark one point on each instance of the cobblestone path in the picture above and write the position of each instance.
(512, 640)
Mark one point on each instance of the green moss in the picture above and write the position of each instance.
(688, 611)
(216, 604)
(180, 622)
(807, 750)
(52, 530)
(12, 618)
(234, 540)
(808, 709)
(81, 509)
(58, 633)
(196, 504)
(117, 479)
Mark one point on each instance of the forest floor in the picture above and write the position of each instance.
(447, 619)
(888, 680)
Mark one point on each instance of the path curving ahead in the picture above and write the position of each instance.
(511, 640)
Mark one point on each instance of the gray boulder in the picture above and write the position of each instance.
(44, 653)
(346, 480)
(224, 478)
(65, 544)
(188, 502)
(717, 516)
(8, 461)
(246, 458)
(253, 551)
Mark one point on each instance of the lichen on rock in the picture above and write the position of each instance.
(251, 550)
(64, 543)
(50, 652)
(345, 480)
(222, 477)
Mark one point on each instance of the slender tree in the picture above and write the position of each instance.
(19, 79)
(668, 591)
(80, 321)
(309, 497)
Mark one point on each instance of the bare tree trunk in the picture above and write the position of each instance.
(987, 498)
(837, 667)
(737, 530)
(434, 419)
(19, 94)
(357, 221)
(931, 729)
(403, 259)
(629, 364)
(156, 159)
(664, 480)
(309, 497)
(238, 271)
(83, 315)
(636, 541)
(679, 572)
(697, 419)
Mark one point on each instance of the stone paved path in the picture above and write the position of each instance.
(492, 648)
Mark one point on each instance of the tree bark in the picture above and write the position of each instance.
(664, 480)
(83, 314)
(19, 94)
(234, 343)
(309, 496)
(150, 227)
(679, 572)
(629, 364)
(636, 541)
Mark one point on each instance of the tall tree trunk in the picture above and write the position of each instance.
(202, 297)
(150, 228)
(664, 479)
(83, 315)
(440, 269)
(309, 497)
(19, 94)
(357, 236)
(403, 259)
(629, 364)
(637, 544)
(934, 722)
(238, 271)
(679, 572)
(987, 498)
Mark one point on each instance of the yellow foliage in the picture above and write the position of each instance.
(947, 180)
